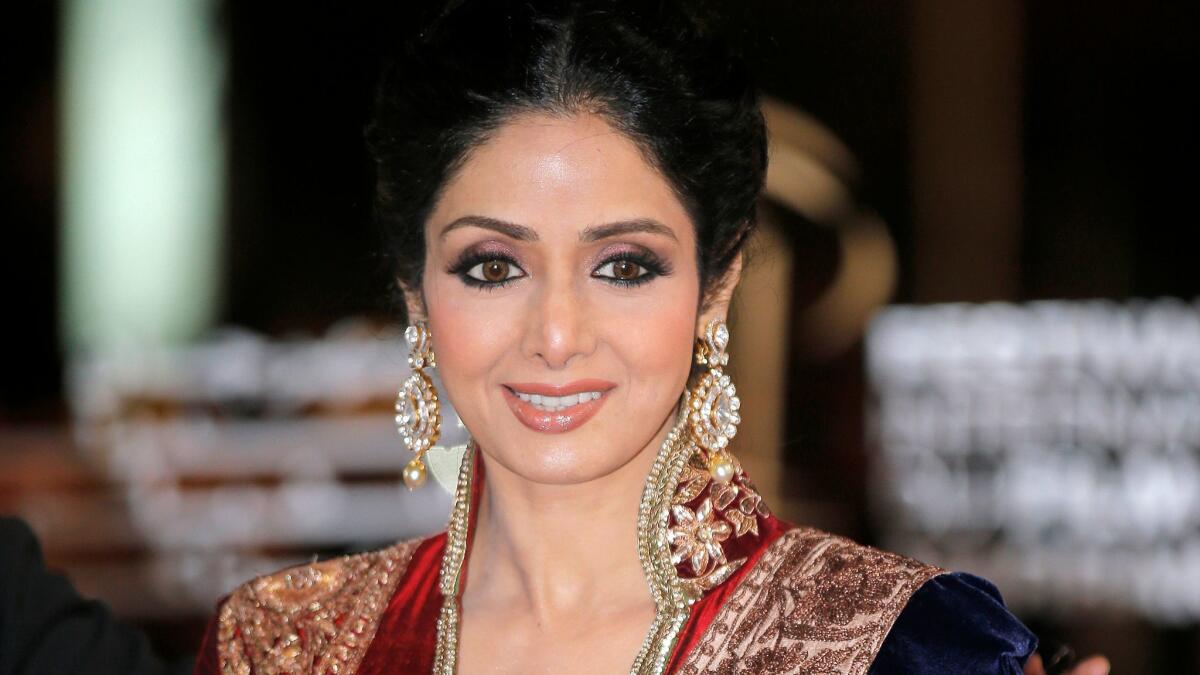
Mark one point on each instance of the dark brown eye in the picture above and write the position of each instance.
(622, 270)
(494, 271)
(625, 270)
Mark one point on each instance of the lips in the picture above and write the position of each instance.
(556, 409)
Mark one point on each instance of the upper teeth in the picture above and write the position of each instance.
(553, 403)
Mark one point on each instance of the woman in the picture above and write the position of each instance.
(568, 187)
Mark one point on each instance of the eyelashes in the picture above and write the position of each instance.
(492, 270)
(651, 266)
(470, 268)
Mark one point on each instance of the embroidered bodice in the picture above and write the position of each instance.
(810, 602)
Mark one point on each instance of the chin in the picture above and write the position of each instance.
(561, 462)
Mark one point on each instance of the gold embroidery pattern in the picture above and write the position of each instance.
(671, 597)
(814, 603)
(704, 515)
(317, 618)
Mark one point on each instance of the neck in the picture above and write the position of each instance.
(551, 549)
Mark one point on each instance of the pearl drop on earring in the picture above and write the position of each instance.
(414, 473)
(720, 465)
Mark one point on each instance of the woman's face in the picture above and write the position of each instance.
(561, 291)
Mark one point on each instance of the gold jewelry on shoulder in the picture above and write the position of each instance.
(418, 412)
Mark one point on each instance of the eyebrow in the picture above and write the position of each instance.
(518, 232)
(589, 234)
(649, 225)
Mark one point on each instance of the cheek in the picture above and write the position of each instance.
(654, 339)
(471, 333)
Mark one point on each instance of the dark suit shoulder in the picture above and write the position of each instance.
(47, 627)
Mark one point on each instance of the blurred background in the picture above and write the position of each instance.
(969, 332)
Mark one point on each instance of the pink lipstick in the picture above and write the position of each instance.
(556, 409)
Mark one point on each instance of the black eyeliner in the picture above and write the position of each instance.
(469, 259)
(654, 266)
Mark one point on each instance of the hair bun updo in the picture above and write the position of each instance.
(653, 69)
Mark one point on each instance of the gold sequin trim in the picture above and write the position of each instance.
(814, 603)
(316, 618)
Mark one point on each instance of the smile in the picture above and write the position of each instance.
(556, 409)
(557, 403)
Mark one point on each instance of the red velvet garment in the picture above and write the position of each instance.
(406, 640)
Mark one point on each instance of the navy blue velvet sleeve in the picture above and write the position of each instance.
(955, 623)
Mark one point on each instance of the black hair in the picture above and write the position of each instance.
(653, 69)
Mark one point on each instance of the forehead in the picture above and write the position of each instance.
(560, 173)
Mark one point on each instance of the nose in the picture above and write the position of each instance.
(559, 330)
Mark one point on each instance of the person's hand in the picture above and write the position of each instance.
(1093, 665)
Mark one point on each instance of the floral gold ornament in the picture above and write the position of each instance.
(714, 403)
(418, 412)
(698, 536)
(706, 517)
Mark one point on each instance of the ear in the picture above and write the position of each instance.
(716, 306)
(414, 303)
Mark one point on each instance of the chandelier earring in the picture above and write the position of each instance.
(418, 412)
(713, 416)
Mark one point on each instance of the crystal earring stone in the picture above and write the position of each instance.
(720, 337)
(723, 412)
(418, 413)
(420, 350)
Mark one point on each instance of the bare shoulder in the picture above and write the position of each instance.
(814, 602)
(316, 617)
